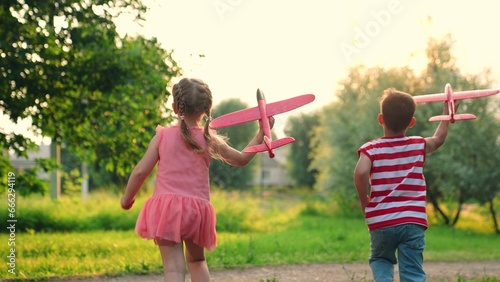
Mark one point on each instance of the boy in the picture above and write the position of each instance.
(392, 166)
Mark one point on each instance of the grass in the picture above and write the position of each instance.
(101, 212)
(45, 256)
(266, 230)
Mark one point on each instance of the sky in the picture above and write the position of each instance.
(294, 47)
(289, 48)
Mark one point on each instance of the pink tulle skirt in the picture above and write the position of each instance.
(177, 218)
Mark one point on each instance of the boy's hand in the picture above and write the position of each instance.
(446, 111)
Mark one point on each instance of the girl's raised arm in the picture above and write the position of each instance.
(239, 158)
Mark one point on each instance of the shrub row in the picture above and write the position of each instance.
(236, 212)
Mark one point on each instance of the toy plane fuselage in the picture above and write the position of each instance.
(263, 112)
(450, 97)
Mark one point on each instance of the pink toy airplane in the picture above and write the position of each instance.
(450, 98)
(263, 111)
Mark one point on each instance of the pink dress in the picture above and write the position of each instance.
(180, 207)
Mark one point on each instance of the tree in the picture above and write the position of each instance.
(457, 173)
(348, 123)
(302, 128)
(36, 54)
(125, 114)
(64, 66)
(222, 174)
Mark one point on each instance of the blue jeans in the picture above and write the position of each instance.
(409, 242)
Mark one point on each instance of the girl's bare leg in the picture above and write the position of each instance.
(174, 265)
(196, 262)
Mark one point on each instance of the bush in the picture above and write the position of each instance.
(101, 211)
(236, 212)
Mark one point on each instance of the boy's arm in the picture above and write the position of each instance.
(139, 174)
(434, 142)
(362, 179)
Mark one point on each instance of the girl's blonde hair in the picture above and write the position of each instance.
(192, 96)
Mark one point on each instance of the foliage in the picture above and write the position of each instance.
(222, 174)
(122, 117)
(26, 181)
(236, 212)
(64, 66)
(5, 168)
(242, 212)
(302, 128)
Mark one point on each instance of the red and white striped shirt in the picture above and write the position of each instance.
(398, 189)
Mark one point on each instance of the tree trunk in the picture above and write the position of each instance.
(459, 210)
(55, 175)
(457, 215)
(435, 204)
(493, 215)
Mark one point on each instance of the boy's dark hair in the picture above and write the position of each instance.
(397, 108)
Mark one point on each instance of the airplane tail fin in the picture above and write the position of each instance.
(274, 144)
(440, 118)
(453, 118)
(282, 142)
(464, 116)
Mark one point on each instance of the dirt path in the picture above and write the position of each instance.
(332, 272)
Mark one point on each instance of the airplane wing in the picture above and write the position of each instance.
(274, 144)
(235, 118)
(455, 95)
(251, 114)
(454, 118)
(430, 98)
(288, 104)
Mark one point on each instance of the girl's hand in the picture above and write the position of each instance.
(261, 128)
(126, 205)
(271, 122)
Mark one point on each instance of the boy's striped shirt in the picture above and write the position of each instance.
(398, 189)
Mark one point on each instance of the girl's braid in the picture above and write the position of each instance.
(214, 141)
(181, 91)
(208, 104)
(179, 95)
(193, 96)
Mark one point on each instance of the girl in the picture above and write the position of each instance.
(179, 212)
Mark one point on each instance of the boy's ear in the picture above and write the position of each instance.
(412, 122)
(380, 119)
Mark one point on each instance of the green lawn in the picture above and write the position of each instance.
(74, 238)
(307, 239)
